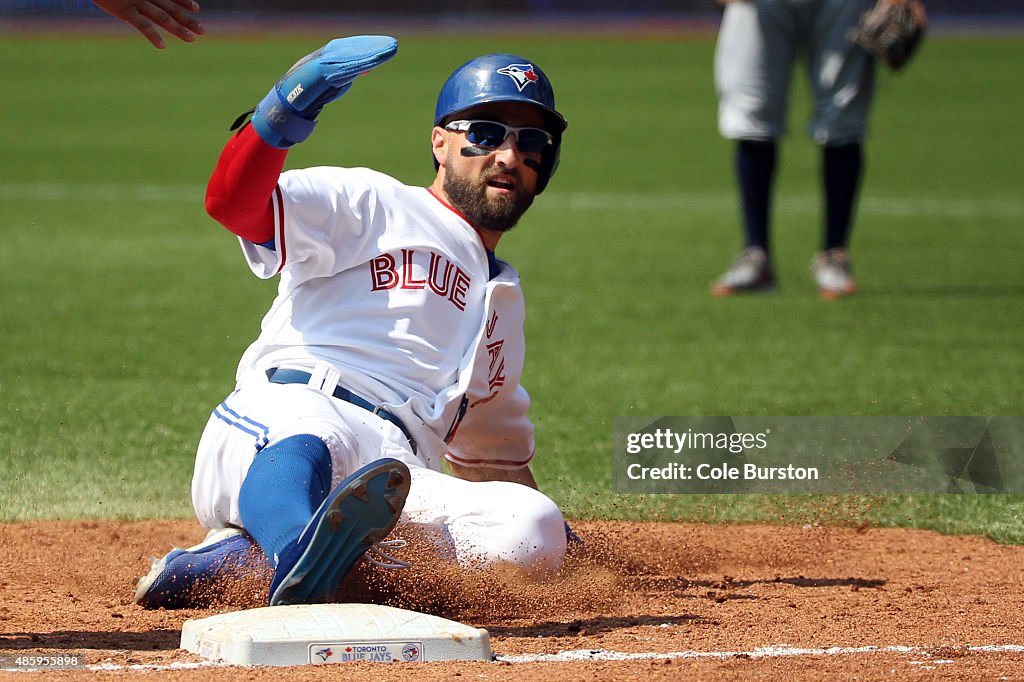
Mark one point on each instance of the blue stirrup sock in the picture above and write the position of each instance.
(285, 485)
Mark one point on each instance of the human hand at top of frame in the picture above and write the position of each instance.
(174, 16)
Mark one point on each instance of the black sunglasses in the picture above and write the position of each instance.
(491, 135)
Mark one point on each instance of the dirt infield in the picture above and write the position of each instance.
(642, 601)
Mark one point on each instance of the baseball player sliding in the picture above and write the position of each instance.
(395, 341)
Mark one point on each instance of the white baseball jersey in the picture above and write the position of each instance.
(394, 290)
(388, 292)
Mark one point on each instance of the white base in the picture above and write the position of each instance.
(332, 633)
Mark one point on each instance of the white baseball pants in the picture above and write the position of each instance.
(476, 524)
(757, 49)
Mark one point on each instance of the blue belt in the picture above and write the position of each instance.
(281, 375)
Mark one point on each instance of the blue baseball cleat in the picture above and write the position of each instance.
(356, 516)
(174, 581)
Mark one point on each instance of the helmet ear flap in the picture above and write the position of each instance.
(549, 164)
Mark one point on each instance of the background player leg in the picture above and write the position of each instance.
(841, 170)
(754, 59)
(842, 80)
(755, 174)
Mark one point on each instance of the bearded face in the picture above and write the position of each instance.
(494, 199)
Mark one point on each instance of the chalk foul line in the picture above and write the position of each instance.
(775, 651)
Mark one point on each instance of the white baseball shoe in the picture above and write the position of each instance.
(833, 273)
(751, 271)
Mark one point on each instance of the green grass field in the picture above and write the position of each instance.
(125, 308)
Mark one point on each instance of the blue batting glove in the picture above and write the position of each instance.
(287, 115)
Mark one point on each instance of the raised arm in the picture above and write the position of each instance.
(239, 194)
(240, 189)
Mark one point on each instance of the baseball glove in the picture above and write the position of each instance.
(891, 31)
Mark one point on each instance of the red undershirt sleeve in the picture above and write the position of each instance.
(239, 194)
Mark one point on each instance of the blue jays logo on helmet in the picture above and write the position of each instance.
(521, 74)
(496, 78)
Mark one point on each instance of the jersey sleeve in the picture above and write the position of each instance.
(239, 192)
(495, 433)
(326, 220)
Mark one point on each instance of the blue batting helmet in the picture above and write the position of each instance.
(504, 78)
